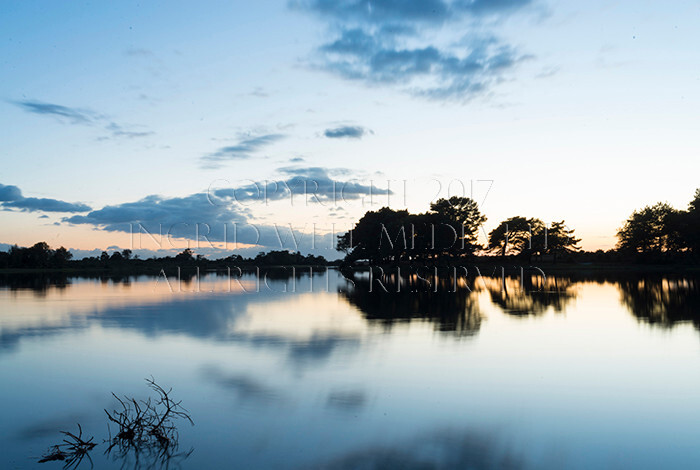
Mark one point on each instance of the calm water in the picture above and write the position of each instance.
(568, 373)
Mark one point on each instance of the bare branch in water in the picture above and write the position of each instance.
(146, 431)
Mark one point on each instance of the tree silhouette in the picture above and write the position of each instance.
(690, 229)
(557, 240)
(449, 228)
(650, 230)
(60, 258)
(186, 256)
(514, 235)
(462, 215)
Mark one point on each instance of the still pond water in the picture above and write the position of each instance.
(570, 372)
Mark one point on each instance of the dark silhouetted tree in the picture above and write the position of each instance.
(461, 219)
(514, 235)
(690, 227)
(186, 256)
(651, 230)
(557, 240)
(60, 257)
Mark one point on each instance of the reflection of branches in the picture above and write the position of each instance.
(662, 301)
(447, 302)
(73, 450)
(147, 429)
(530, 295)
(147, 432)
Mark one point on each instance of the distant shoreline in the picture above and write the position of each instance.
(484, 267)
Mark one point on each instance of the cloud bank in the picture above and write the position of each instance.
(223, 214)
(11, 198)
(401, 44)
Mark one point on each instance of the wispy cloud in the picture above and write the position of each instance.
(375, 42)
(117, 130)
(83, 117)
(63, 113)
(138, 52)
(244, 149)
(351, 132)
(11, 198)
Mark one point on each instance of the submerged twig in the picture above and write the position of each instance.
(146, 429)
(73, 450)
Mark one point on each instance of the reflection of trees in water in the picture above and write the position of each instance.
(528, 294)
(41, 283)
(448, 303)
(38, 283)
(662, 301)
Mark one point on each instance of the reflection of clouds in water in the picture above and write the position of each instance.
(49, 427)
(9, 339)
(320, 347)
(203, 316)
(447, 449)
(246, 387)
(347, 400)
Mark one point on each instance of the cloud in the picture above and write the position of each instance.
(223, 214)
(82, 117)
(315, 184)
(240, 151)
(178, 217)
(351, 132)
(138, 51)
(375, 42)
(117, 130)
(72, 115)
(401, 11)
(10, 193)
(11, 198)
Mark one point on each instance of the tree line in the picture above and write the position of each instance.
(42, 256)
(449, 230)
(660, 229)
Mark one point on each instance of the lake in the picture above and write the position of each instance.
(316, 371)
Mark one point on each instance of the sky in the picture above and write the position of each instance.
(249, 126)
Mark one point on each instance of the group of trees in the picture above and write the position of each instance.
(450, 227)
(449, 230)
(522, 236)
(661, 230)
(40, 255)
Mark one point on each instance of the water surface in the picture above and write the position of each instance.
(315, 371)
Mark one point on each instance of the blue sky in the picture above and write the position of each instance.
(118, 113)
